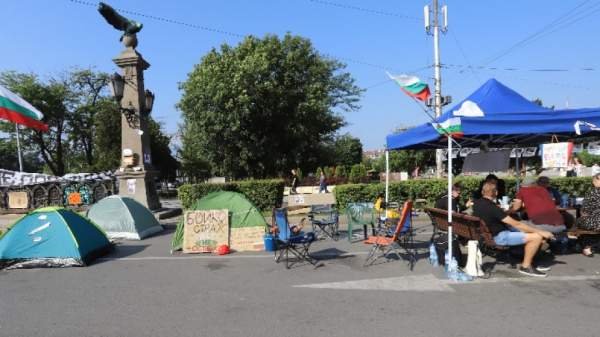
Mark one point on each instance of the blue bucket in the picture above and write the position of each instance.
(269, 242)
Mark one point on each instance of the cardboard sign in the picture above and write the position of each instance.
(247, 239)
(17, 200)
(556, 154)
(204, 231)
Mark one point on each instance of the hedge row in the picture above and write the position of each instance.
(431, 189)
(264, 194)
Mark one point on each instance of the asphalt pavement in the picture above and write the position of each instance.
(142, 290)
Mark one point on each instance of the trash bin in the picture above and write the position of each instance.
(269, 242)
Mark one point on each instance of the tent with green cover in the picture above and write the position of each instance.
(124, 218)
(52, 237)
(242, 213)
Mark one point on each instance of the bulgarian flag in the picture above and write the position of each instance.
(412, 86)
(17, 110)
(452, 126)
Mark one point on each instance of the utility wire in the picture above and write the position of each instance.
(460, 48)
(546, 70)
(224, 32)
(549, 28)
(365, 10)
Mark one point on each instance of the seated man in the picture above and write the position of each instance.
(442, 201)
(539, 206)
(491, 178)
(554, 193)
(510, 232)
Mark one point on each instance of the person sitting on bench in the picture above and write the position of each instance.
(540, 208)
(510, 232)
(442, 201)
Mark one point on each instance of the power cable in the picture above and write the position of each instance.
(366, 10)
(542, 32)
(460, 48)
(547, 70)
(220, 31)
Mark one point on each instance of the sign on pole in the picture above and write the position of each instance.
(204, 231)
(556, 154)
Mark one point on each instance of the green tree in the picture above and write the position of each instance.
(107, 137)
(348, 150)
(53, 99)
(162, 159)
(406, 160)
(84, 124)
(341, 171)
(9, 158)
(264, 106)
(358, 173)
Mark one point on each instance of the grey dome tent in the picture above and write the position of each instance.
(124, 218)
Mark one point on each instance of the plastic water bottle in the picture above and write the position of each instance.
(433, 258)
(452, 271)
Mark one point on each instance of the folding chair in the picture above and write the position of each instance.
(361, 215)
(287, 242)
(390, 238)
(327, 222)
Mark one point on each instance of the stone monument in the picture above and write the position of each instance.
(136, 174)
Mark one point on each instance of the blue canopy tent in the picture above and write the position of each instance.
(498, 116)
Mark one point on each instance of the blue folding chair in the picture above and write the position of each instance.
(325, 220)
(288, 242)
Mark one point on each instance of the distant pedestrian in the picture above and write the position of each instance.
(294, 182)
(323, 183)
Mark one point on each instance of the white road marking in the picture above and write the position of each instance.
(428, 282)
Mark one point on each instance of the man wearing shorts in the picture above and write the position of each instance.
(510, 232)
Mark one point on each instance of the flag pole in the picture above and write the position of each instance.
(450, 208)
(19, 149)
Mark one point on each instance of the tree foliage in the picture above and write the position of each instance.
(84, 124)
(348, 150)
(406, 160)
(263, 107)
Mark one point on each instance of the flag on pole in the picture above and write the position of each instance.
(452, 126)
(19, 111)
(412, 86)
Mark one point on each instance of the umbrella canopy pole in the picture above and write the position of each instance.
(517, 171)
(387, 175)
(19, 148)
(449, 199)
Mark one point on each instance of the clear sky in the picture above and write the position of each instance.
(50, 36)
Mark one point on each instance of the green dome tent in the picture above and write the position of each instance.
(124, 218)
(242, 213)
(52, 237)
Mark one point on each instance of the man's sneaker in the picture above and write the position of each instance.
(543, 268)
(531, 272)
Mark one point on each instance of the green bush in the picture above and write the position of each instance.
(264, 194)
(341, 171)
(431, 189)
(358, 173)
(588, 159)
(328, 171)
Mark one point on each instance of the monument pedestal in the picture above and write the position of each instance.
(139, 186)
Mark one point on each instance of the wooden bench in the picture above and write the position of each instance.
(577, 233)
(466, 227)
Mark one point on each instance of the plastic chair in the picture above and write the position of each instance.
(391, 238)
(327, 222)
(361, 215)
(287, 242)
